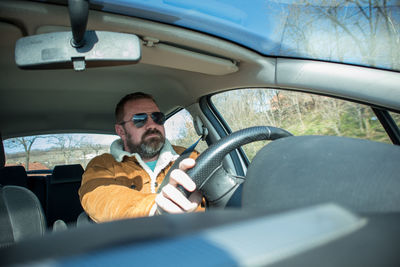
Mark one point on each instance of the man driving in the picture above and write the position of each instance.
(123, 183)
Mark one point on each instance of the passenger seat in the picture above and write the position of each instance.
(16, 175)
(62, 194)
(21, 215)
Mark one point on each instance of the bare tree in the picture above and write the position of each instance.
(96, 148)
(361, 31)
(66, 143)
(26, 143)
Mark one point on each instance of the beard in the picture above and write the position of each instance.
(147, 148)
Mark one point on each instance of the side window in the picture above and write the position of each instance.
(396, 118)
(180, 131)
(299, 113)
(43, 152)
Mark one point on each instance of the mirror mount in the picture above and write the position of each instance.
(78, 14)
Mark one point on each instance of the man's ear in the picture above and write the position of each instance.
(119, 129)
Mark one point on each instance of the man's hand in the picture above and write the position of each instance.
(170, 199)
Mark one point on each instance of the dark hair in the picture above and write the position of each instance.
(119, 109)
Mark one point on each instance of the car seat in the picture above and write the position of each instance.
(21, 215)
(301, 171)
(62, 193)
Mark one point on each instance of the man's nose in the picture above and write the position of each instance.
(150, 122)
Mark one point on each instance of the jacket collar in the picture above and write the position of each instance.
(167, 153)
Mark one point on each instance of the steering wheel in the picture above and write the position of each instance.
(211, 179)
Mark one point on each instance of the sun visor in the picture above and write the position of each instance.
(170, 56)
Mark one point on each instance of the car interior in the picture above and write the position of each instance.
(301, 201)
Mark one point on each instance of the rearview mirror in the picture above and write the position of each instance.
(56, 50)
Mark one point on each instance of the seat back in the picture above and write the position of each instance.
(21, 215)
(14, 175)
(62, 193)
(83, 220)
(295, 172)
(38, 185)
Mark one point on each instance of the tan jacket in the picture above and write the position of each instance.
(120, 185)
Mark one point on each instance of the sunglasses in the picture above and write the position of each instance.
(140, 119)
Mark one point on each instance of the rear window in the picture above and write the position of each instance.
(43, 152)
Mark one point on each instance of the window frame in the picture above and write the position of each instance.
(222, 128)
(388, 124)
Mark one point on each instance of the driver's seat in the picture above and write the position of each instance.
(300, 171)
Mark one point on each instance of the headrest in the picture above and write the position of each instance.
(22, 225)
(301, 171)
(67, 173)
(13, 175)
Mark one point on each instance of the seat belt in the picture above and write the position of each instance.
(185, 154)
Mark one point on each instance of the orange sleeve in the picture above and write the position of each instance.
(105, 197)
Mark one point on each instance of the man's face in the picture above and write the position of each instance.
(147, 140)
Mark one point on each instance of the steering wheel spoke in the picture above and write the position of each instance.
(219, 187)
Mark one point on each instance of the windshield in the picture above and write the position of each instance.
(355, 32)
